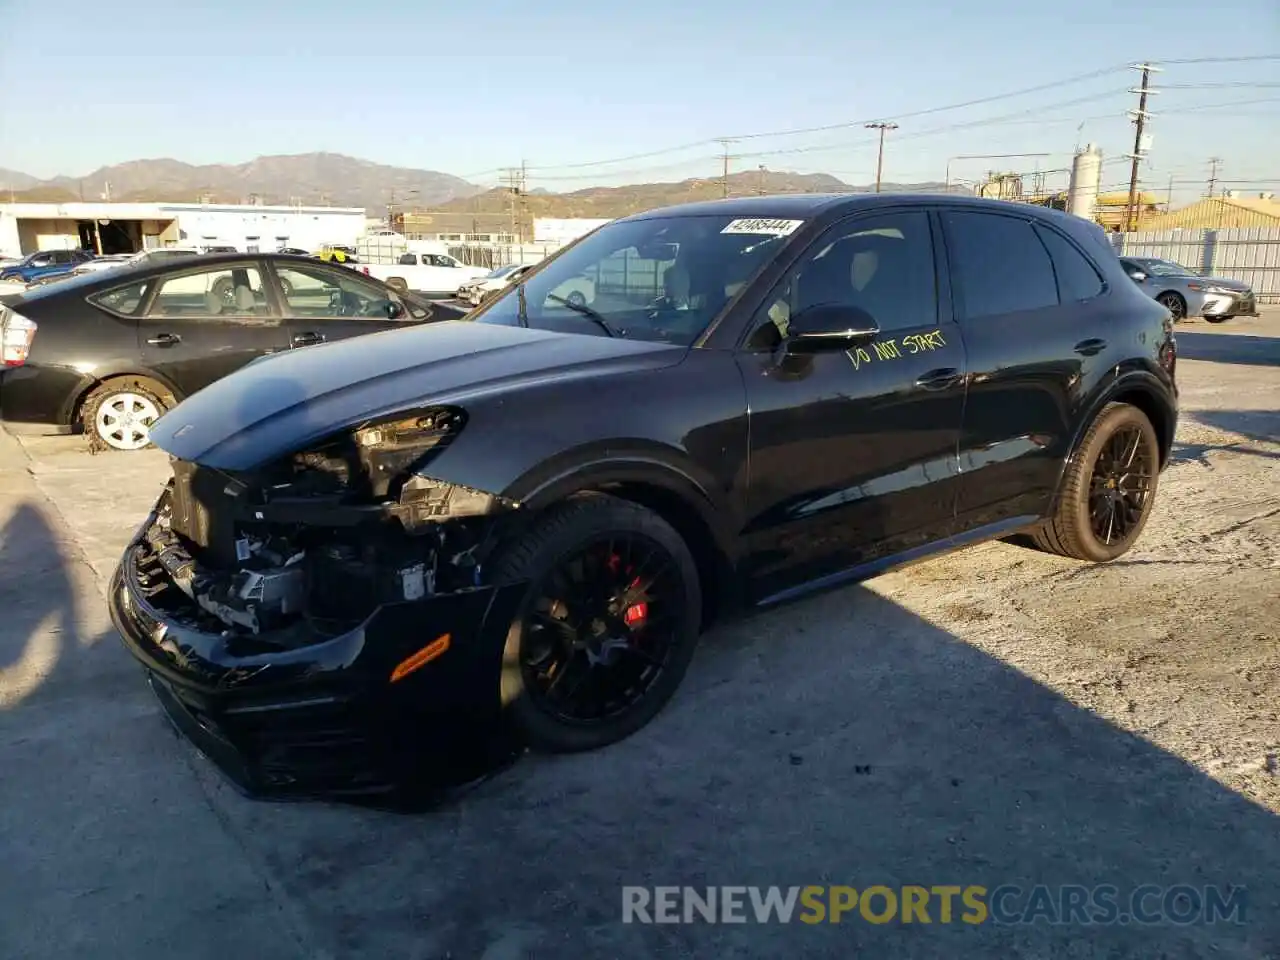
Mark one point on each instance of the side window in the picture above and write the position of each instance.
(438, 261)
(312, 292)
(881, 264)
(1077, 279)
(225, 292)
(61, 256)
(126, 300)
(43, 260)
(408, 259)
(1000, 265)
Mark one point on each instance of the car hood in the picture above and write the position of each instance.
(275, 407)
(1226, 283)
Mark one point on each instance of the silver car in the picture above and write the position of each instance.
(1187, 293)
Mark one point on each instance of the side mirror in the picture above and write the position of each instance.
(394, 310)
(1137, 276)
(827, 328)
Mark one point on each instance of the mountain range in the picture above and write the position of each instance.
(338, 180)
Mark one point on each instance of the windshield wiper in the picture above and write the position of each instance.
(587, 312)
(523, 315)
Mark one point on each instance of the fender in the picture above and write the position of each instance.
(1125, 381)
(111, 372)
(551, 482)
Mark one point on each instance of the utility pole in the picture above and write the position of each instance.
(724, 177)
(1140, 117)
(513, 178)
(1168, 197)
(760, 186)
(882, 127)
(1213, 173)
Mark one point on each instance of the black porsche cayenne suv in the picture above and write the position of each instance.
(376, 556)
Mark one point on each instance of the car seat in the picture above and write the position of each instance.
(246, 303)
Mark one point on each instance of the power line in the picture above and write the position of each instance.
(1269, 56)
(797, 131)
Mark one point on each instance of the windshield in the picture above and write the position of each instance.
(1167, 268)
(661, 279)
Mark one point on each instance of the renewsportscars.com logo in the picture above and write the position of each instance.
(1068, 904)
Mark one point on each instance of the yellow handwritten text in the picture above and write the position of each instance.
(894, 348)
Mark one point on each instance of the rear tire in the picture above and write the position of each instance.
(1108, 491)
(1217, 319)
(118, 414)
(1174, 303)
(537, 642)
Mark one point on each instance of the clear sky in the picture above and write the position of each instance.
(468, 88)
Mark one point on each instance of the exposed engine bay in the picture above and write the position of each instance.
(323, 538)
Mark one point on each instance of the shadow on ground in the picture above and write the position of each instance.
(880, 752)
(1228, 348)
(1255, 426)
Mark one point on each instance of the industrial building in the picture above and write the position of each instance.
(1226, 212)
(129, 227)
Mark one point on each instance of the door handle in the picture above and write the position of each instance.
(307, 339)
(1091, 346)
(164, 340)
(939, 379)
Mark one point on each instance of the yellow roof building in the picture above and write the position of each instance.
(1217, 213)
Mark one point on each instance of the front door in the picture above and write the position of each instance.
(202, 324)
(853, 453)
(324, 304)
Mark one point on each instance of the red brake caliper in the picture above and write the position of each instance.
(637, 612)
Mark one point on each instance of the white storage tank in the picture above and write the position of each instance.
(1086, 177)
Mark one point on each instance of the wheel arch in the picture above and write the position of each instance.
(1140, 389)
(160, 386)
(676, 497)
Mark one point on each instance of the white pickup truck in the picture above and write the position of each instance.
(430, 274)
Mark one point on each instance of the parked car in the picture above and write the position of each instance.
(295, 251)
(337, 253)
(430, 274)
(43, 264)
(1189, 294)
(521, 521)
(579, 291)
(106, 262)
(109, 352)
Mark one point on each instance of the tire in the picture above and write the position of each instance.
(1174, 303)
(534, 556)
(1217, 319)
(398, 284)
(113, 409)
(1071, 532)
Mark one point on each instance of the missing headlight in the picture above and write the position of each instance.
(389, 448)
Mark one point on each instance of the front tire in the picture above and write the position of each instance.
(1108, 490)
(1174, 303)
(607, 626)
(1217, 319)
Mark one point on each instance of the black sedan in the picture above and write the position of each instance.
(111, 351)
(377, 556)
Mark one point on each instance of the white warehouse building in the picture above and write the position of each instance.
(129, 227)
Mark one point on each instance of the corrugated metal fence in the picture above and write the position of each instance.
(1251, 254)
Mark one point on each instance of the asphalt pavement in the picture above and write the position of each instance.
(996, 718)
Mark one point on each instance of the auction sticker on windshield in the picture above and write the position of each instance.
(764, 227)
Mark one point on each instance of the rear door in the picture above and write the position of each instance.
(203, 323)
(323, 304)
(1037, 327)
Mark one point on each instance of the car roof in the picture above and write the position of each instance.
(810, 205)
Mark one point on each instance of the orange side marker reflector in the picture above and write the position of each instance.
(420, 659)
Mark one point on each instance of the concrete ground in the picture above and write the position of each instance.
(992, 717)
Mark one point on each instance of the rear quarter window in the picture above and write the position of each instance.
(125, 300)
(1077, 278)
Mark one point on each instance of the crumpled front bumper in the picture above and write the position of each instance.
(324, 719)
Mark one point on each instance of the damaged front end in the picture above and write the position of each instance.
(306, 624)
(326, 536)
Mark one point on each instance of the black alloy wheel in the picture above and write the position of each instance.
(600, 630)
(1108, 489)
(608, 625)
(1120, 485)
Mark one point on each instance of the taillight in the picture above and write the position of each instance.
(366, 271)
(16, 334)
